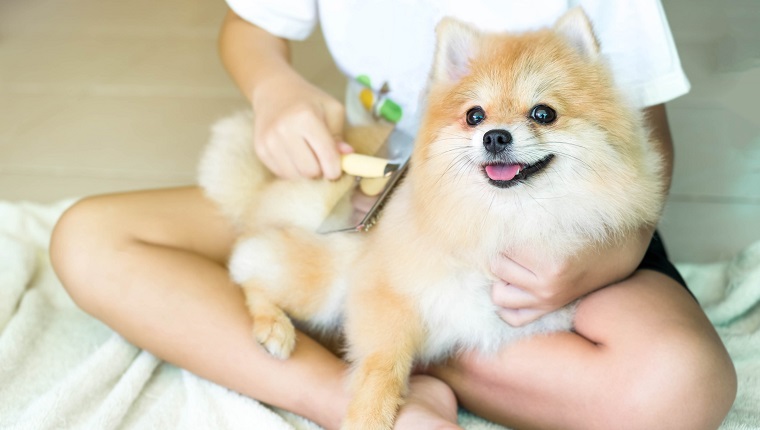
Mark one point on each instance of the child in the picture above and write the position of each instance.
(151, 264)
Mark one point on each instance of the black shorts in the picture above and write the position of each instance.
(656, 258)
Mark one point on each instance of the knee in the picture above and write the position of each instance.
(80, 241)
(685, 382)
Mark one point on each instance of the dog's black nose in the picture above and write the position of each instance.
(496, 140)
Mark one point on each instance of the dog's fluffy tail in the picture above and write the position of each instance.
(230, 172)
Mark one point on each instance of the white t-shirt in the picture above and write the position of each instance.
(393, 41)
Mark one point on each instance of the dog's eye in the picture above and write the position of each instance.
(475, 116)
(543, 114)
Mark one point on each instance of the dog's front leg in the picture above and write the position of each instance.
(384, 334)
(290, 272)
(272, 328)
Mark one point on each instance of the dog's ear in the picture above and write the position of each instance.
(576, 28)
(455, 48)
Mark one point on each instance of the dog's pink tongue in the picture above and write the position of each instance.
(502, 172)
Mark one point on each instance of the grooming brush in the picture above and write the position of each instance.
(376, 177)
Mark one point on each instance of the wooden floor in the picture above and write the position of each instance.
(99, 96)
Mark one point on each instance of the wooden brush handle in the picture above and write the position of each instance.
(364, 166)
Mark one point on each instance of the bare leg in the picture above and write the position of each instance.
(644, 357)
(150, 265)
(430, 405)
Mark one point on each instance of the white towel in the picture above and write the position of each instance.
(730, 293)
(61, 369)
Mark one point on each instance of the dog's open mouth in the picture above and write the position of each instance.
(505, 175)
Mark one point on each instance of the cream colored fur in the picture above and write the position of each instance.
(416, 287)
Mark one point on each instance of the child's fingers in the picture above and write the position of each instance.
(507, 295)
(345, 148)
(324, 147)
(509, 270)
(272, 158)
(334, 117)
(285, 151)
(283, 166)
(519, 317)
(303, 159)
(267, 158)
(299, 137)
(335, 114)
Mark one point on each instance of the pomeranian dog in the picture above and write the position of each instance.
(526, 144)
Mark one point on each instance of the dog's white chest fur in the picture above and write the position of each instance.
(459, 315)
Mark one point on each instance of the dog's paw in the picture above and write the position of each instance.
(275, 333)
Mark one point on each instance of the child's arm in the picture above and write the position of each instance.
(297, 127)
(531, 289)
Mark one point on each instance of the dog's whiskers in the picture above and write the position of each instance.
(434, 155)
(532, 150)
(463, 157)
(463, 164)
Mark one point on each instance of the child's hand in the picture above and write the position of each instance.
(298, 128)
(530, 288)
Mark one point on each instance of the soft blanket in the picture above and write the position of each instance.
(61, 369)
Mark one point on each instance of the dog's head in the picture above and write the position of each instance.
(529, 131)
